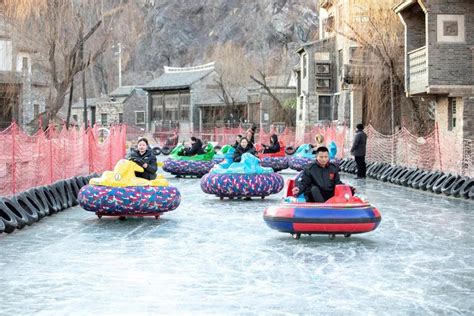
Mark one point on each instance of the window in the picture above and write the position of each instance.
(74, 117)
(451, 114)
(93, 111)
(305, 65)
(120, 118)
(323, 69)
(36, 110)
(185, 99)
(323, 84)
(103, 118)
(335, 107)
(300, 116)
(184, 116)
(139, 118)
(6, 51)
(324, 108)
(24, 64)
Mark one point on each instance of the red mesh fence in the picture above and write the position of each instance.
(431, 152)
(29, 161)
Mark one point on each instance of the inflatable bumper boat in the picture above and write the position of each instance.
(120, 193)
(343, 214)
(197, 165)
(242, 179)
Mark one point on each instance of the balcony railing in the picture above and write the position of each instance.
(417, 80)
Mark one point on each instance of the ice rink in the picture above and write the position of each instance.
(218, 257)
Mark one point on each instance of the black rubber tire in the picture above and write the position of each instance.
(82, 181)
(290, 150)
(29, 208)
(165, 150)
(343, 163)
(424, 181)
(53, 202)
(387, 173)
(400, 175)
(415, 183)
(414, 176)
(40, 196)
(464, 191)
(373, 168)
(431, 180)
(376, 170)
(75, 190)
(348, 164)
(471, 193)
(37, 203)
(436, 188)
(2, 227)
(395, 174)
(352, 167)
(448, 184)
(7, 218)
(156, 151)
(69, 192)
(59, 194)
(21, 217)
(456, 188)
(381, 171)
(403, 180)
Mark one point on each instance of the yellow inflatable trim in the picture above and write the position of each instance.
(124, 176)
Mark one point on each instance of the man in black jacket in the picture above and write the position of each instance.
(358, 150)
(319, 179)
(196, 147)
(145, 158)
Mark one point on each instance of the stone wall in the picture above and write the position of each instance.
(450, 60)
(137, 101)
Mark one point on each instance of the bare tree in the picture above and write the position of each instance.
(58, 30)
(379, 34)
(234, 69)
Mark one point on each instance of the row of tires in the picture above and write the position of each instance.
(31, 206)
(427, 180)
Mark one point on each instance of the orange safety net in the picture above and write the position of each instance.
(430, 152)
(51, 155)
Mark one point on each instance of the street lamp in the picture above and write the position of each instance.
(119, 54)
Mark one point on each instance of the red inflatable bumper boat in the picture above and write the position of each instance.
(343, 214)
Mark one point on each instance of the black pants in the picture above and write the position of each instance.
(318, 195)
(361, 167)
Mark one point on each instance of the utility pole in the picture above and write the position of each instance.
(120, 63)
(392, 114)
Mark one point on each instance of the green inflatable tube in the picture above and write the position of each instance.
(204, 157)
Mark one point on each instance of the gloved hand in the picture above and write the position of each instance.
(353, 190)
(138, 161)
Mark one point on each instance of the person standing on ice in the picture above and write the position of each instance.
(144, 157)
(319, 179)
(358, 150)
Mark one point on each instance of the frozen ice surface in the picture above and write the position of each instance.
(219, 257)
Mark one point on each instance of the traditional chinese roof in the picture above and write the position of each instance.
(179, 77)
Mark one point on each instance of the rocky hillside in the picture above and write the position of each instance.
(185, 32)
